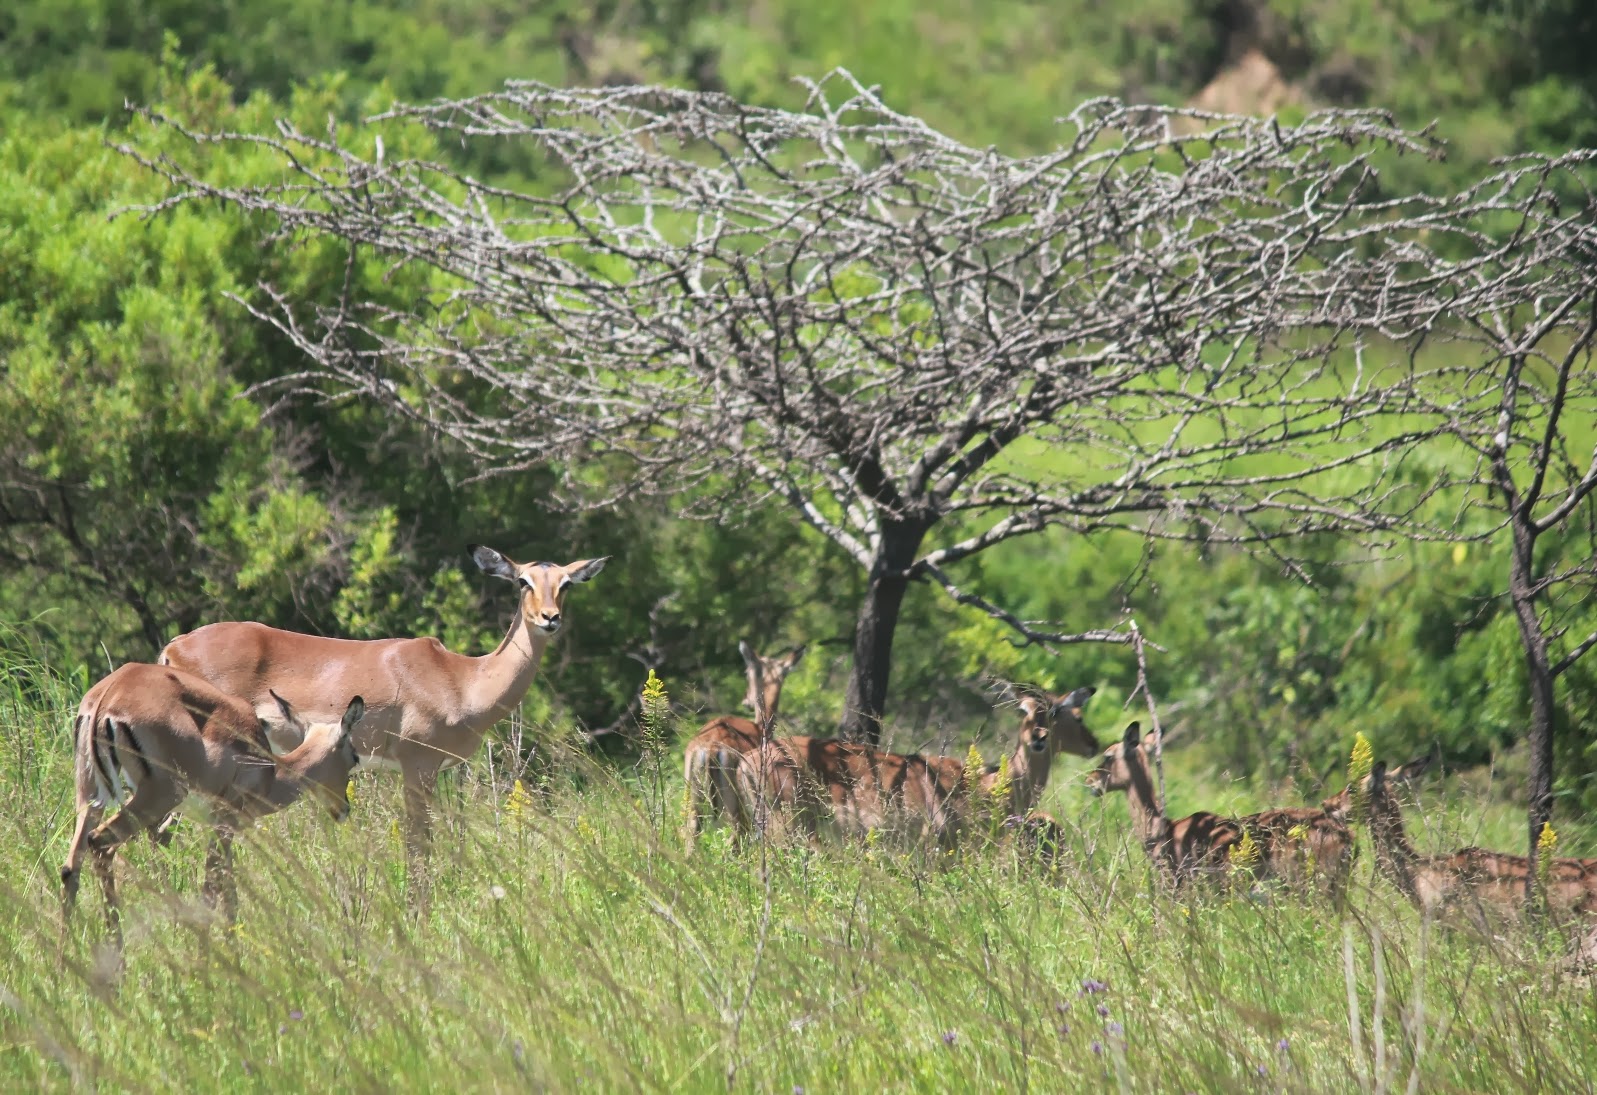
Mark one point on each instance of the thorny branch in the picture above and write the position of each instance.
(1178, 324)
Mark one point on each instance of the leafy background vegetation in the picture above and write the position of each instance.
(143, 491)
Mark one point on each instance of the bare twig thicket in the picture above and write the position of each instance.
(1179, 324)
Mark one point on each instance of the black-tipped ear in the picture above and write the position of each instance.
(1076, 702)
(1415, 768)
(583, 569)
(796, 655)
(1378, 775)
(491, 562)
(1133, 736)
(353, 714)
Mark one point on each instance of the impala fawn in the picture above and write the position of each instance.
(807, 784)
(1294, 845)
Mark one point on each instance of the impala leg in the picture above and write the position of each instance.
(151, 802)
(694, 781)
(221, 889)
(72, 869)
(421, 789)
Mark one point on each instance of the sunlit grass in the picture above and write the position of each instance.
(571, 943)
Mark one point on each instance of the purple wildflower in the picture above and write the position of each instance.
(296, 1015)
(949, 1037)
(282, 1028)
(1091, 985)
(1097, 1047)
(1064, 1029)
(1114, 1028)
(1103, 1009)
(517, 1050)
(1283, 1045)
(1263, 1071)
(1061, 1007)
(798, 1089)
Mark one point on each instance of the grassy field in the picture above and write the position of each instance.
(571, 942)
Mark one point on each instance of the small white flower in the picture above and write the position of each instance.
(496, 892)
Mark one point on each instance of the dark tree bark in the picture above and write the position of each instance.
(865, 701)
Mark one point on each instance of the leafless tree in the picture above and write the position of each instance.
(1519, 428)
(1169, 325)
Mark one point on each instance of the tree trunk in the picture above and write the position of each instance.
(866, 699)
(1533, 638)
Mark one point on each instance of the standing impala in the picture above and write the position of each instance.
(163, 734)
(1490, 885)
(852, 788)
(710, 761)
(1292, 844)
(426, 708)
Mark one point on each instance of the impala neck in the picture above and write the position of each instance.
(1395, 857)
(1028, 776)
(500, 680)
(1147, 820)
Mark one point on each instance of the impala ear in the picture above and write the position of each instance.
(353, 714)
(750, 658)
(1133, 736)
(491, 562)
(583, 569)
(1076, 702)
(1378, 777)
(796, 655)
(1415, 768)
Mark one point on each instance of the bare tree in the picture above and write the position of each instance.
(1523, 421)
(924, 349)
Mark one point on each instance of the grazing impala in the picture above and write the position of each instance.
(164, 734)
(427, 708)
(710, 761)
(809, 783)
(1292, 844)
(1490, 885)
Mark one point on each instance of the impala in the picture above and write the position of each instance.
(1292, 844)
(162, 734)
(1492, 884)
(428, 708)
(808, 783)
(710, 761)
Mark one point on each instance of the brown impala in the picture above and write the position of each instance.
(426, 707)
(811, 783)
(1293, 844)
(1490, 886)
(711, 759)
(162, 735)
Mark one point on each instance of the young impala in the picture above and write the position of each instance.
(1292, 844)
(429, 708)
(810, 783)
(710, 761)
(160, 735)
(1489, 886)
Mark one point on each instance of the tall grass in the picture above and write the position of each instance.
(571, 943)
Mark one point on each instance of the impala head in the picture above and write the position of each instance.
(543, 586)
(1049, 722)
(766, 675)
(1121, 762)
(1340, 805)
(326, 757)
